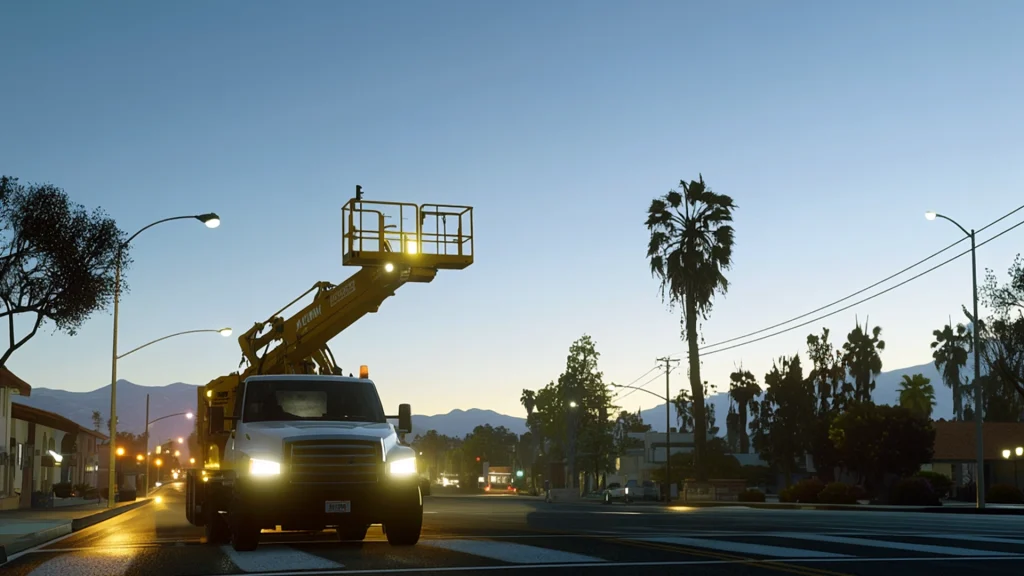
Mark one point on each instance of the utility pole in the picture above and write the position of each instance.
(145, 434)
(668, 428)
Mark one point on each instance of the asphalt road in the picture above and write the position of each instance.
(509, 534)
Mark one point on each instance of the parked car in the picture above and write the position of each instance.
(616, 491)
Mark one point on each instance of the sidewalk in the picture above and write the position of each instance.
(25, 528)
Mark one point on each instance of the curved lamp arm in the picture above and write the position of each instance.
(188, 415)
(655, 394)
(933, 215)
(211, 220)
(223, 332)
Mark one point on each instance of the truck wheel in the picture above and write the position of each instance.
(352, 532)
(217, 530)
(404, 529)
(245, 534)
(245, 538)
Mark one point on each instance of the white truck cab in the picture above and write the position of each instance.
(307, 452)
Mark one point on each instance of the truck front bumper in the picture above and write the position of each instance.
(274, 501)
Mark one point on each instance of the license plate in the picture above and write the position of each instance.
(337, 506)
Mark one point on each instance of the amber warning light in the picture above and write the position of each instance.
(364, 371)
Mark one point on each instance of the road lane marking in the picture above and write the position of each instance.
(639, 564)
(511, 552)
(892, 545)
(972, 538)
(742, 547)
(271, 558)
(91, 565)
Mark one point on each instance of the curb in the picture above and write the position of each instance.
(857, 508)
(44, 536)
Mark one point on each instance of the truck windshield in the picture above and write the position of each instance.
(310, 400)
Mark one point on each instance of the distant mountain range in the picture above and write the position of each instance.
(180, 397)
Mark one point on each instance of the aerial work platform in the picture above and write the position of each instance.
(377, 233)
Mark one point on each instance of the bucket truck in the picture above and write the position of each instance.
(291, 441)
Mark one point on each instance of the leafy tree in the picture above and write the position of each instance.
(97, 420)
(833, 393)
(917, 395)
(1004, 342)
(57, 260)
(828, 374)
(1002, 401)
(784, 418)
(582, 433)
(878, 440)
(683, 403)
(625, 424)
(949, 350)
(743, 390)
(862, 360)
(690, 248)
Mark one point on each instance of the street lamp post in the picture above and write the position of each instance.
(146, 434)
(212, 221)
(668, 433)
(1018, 452)
(979, 442)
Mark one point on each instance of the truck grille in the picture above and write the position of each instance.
(334, 461)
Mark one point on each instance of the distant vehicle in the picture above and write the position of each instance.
(616, 491)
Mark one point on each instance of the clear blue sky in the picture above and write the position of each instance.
(834, 126)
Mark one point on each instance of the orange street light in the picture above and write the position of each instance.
(139, 457)
(159, 462)
(120, 450)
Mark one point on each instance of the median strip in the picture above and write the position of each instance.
(41, 537)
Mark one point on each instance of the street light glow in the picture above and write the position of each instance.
(1020, 450)
(181, 440)
(929, 215)
(189, 415)
(225, 332)
(1006, 454)
(572, 404)
(211, 220)
(120, 450)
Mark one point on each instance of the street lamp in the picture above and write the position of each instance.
(222, 331)
(212, 221)
(668, 433)
(188, 415)
(978, 397)
(1019, 451)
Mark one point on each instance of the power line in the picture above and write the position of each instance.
(632, 390)
(859, 302)
(863, 290)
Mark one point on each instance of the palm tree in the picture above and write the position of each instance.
(950, 351)
(690, 248)
(743, 389)
(917, 395)
(529, 401)
(861, 357)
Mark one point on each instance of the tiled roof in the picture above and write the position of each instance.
(954, 441)
(9, 380)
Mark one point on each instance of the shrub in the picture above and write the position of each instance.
(1005, 494)
(804, 491)
(940, 482)
(838, 493)
(913, 491)
(751, 495)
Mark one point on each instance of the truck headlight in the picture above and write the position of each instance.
(404, 467)
(258, 467)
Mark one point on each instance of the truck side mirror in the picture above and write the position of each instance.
(216, 416)
(404, 418)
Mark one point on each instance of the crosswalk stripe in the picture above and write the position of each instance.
(275, 558)
(92, 565)
(893, 545)
(742, 547)
(510, 552)
(973, 538)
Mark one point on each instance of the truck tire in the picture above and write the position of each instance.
(352, 532)
(245, 534)
(217, 530)
(407, 521)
